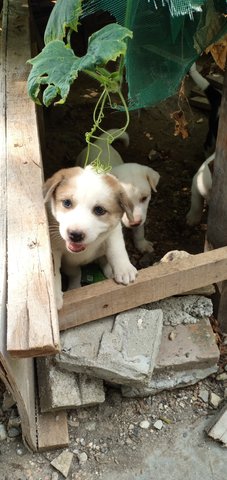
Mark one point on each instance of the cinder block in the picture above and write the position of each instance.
(61, 389)
(121, 350)
(191, 356)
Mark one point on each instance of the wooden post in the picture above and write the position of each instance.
(32, 320)
(19, 375)
(217, 217)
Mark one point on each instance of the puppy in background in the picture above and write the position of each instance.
(138, 181)
(85, 210)
(200, 191)
(214, 97)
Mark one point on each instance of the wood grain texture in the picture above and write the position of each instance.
(32, 316)
(217, 217)
(153, 283)
(17, 375)
(52, 431)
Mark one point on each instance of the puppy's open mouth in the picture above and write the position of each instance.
(75, 247)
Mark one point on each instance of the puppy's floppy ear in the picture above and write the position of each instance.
(153, 178)
(51, 184)
(126, 204)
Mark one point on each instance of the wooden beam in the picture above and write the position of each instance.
(32, 315)
(153, 283)
(217, 216)
(18, 376)
(52, 430)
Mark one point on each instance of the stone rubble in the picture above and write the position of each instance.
(121, 350)
(183, 310)
(58, 389)
(132, 350)
(192, 356)
(63, 462)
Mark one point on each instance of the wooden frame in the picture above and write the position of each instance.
(31, 315)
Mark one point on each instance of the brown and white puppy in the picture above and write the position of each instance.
(200, 191)
(138, 181)
(85, 210)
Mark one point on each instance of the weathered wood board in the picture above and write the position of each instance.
(217, 216)
(153, 283)
(52, 430)
(18, 375)
(32, 321)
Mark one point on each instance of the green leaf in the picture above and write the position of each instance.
(105, 45)
(65, 14)
(56, 66)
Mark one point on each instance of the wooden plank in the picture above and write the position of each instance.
(218, 427)
(18, 376)
(153, 283)
(32, 314)
(52, 430)
(217, 216)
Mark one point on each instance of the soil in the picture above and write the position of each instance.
(110, 434)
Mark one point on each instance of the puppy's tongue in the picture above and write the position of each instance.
(75, 247)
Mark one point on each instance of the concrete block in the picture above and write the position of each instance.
(183, 309)
(121, 350)
(61, 389)
(190, 357)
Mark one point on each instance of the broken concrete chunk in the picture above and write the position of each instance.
(61, 389)
(218, 427)
(192, 356)
(215, 400)
(121, 350)
(62, 463)
(183, 310)
(204, 395)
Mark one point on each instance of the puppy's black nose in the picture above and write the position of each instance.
(76, 236)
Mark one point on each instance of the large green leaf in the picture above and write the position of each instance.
(105, 45)
(57, 66)
(65, 14)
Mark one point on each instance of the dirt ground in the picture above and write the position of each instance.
(110, 436)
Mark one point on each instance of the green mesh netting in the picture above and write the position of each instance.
(168, 36)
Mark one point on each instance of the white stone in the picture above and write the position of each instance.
(82, 458)
(144, 424)
(158, 425)
(215, 400)
(3, 433)
(62, 463)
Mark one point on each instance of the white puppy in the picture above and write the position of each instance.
(137, 180)
(85, 210)
(200, 191)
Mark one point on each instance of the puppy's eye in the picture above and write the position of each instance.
(66, 203)
(143, 199)
(98, 210)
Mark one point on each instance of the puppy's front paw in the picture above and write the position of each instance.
(107, 270)
(144, 246)
(125, 274)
